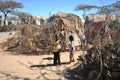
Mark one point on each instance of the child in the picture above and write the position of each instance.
(72, 47)
(57, 49)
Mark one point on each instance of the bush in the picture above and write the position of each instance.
(6, 28)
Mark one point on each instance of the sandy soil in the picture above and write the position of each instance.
(33, 67)
(40, 67)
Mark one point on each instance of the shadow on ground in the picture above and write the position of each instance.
(10, 76)
(48, 65)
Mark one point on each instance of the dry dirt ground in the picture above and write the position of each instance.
(32, 67)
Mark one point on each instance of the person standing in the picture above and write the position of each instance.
(72, 47)
(57, 49)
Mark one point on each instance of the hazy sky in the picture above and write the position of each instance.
(45, 7)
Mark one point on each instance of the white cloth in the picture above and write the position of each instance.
(72, 45)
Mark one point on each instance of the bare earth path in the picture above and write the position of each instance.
(19, 67)
(39, 67)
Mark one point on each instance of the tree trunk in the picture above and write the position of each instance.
(3, 21)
